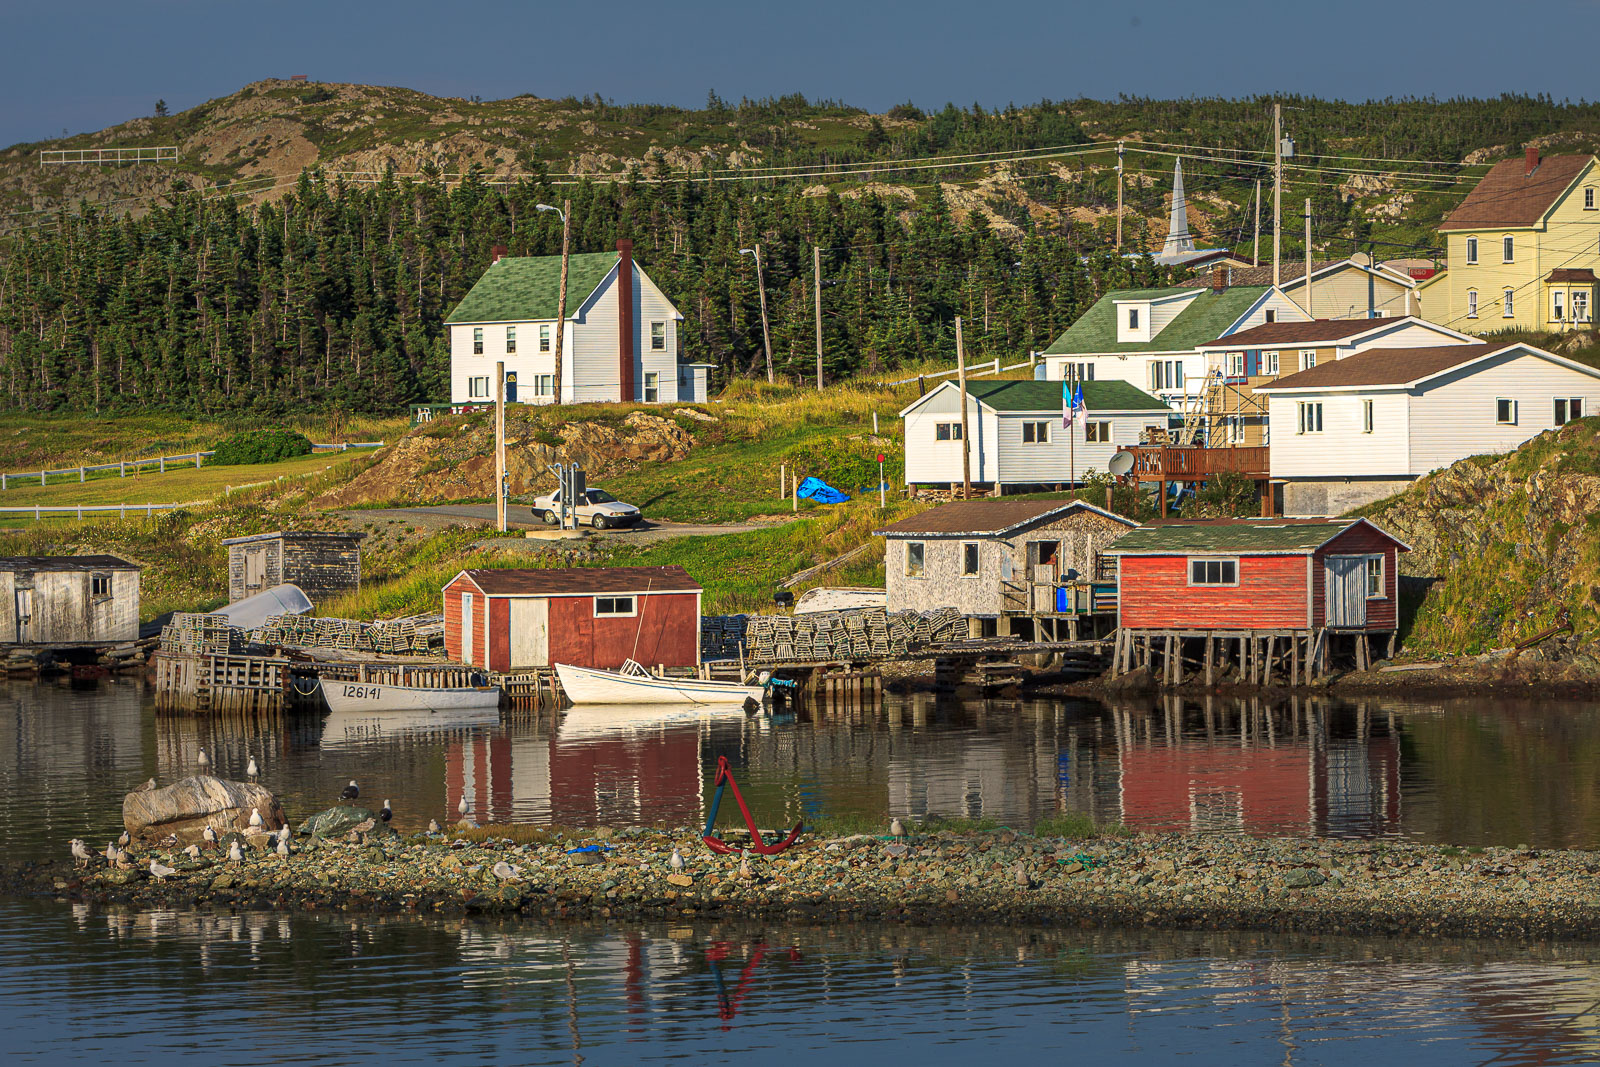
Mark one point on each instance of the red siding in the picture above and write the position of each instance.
(452, 619)
(667, 631)
(1361, 540)
(499, 634)
(651, 778)
(1156, 594)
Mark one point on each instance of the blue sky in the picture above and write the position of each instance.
(86, 64)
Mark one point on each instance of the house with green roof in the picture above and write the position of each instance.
(1150, 338)
(1018, 436)
(619, 340)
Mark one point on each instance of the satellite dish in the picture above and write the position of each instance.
(1121, 464)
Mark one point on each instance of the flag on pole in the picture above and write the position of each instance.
(1066, 403)
(1079, 412)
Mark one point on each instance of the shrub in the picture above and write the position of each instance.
(260, 446)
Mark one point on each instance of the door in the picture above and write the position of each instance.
(24, 616)
(468, 625)
(530, 632)
(1346, 591)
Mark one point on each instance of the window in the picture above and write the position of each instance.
(916, 552)
(613, 606)
(511, 339)
(1580, 305)
(1270, 363)
(1213, 572)
(478, 387)
(1568, 408)
(1097, 433)
(1133, 318)
(1308, 358)
(1472, 251)
(1588, 198)
(543, 384)
(652, 386)
(1505, 411)
(1508, 249)
(477, 340)
(1036, 433)
(1472, 303)
(1310, 417)
(1079, 372)
(100, 585)
(1510, 312)
(1236, 364)
(544, 338)
(1166, 374)
(947, 431)
(1375, 587)
(969, 559)
(658, 336)
(1555, 305)
(1272, 315)
(1366, 416)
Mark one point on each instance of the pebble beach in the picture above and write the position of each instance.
(1211, 882)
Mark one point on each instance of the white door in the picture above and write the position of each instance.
(1346, 591)
(24, 616)
(530, 632)
(467, 626)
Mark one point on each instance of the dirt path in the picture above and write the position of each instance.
(443, 516)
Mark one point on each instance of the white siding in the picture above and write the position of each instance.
(526, 362)
(1407, 335)
(1287, 311)
(1341, 450)
(929, 460)
(1161, 314)
(594, 370)
(1455, 418)
(1135, 370)
(651, 305)
(1067, 456)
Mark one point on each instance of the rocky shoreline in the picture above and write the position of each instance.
(1207, 882)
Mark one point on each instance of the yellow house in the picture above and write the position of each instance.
(1523, 249)
(1354, 288)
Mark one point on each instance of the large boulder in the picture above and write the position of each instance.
(338, 821)
(188, 806)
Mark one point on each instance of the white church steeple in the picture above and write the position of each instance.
(1179, 241)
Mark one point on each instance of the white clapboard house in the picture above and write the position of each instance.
(1364, 427)
(620, 344)
(1018, 439)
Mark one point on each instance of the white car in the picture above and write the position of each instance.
(598, 509)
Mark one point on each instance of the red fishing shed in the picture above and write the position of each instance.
(597, 617)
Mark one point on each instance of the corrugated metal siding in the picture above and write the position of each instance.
(1456, 418)
(1155, 594)
(1342, 449)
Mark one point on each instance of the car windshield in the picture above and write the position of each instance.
(600, 496)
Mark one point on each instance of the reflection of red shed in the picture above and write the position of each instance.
(1258, 574)
(589, 617)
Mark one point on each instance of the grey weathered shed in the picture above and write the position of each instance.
(322, 563)
(68, 600)
(1001, 558)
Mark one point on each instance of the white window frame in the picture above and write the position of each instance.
(99, 586)
(1509, 301)
(977, 559)
(614, 611)
(1308, 358)
(1567, 409)
(1269, 362)
(511, 340)
(477, 340)
(1221, 562)
(1270, 315)
(544, 338)
(658, 337)
(652, 387)
(1472, 303)
(1580, 305)
(921, 553)
(951, 430)
(1472, 251)
(478, 387)
(1499, 400)
(1588, 198)
(1236, 364)
(1099, 432)
(1310, 416)
(1032, 429)
(1556, 306)
(1382, 576)
(1508, 249)
(1366, 416)
(1133, 318)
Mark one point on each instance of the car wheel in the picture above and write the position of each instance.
(598, 523)
(550, 517)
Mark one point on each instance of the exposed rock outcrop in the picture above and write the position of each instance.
(186, 807)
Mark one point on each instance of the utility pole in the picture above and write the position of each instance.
(500, 446)
(966, 438)
(565, 212)
(1255, 255)
(816, 283)
(1277, 192)
(1313, 314)
(1119, 196)
(761, 283)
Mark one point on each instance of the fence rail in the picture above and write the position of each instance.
(122, 467)
(977, 370)
(103, 156)
(39, 511)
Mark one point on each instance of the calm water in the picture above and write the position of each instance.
(83, 984)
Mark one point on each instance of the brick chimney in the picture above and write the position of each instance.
(497, 253)
(1532, 156)
(625, 318)
(1219, 278)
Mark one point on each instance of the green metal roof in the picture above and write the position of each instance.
(1206, 318)
(524, 288)
(1035, 395)
(1268, 535)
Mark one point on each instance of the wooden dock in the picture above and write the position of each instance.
(206, 682)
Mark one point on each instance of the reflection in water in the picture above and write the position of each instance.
(1471, 772)
(337, 989)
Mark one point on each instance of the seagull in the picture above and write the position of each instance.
(111, 852)
(209, 835)
(896, 827)
(255, 818)
(744, 864)
(386, 813)
(193, 852)
(351, 791)
(283, 847)
(251, 771)
(161, 870)
(676, 862)
(433, 826)
(505, 871)
(1022, 877)
(202, 762)
(122, 842)
(235, 853)
(80, 854)
(283, 834)
(463, 807)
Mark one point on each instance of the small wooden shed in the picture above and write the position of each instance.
(503, 619)
(68, 600)
(323, 563)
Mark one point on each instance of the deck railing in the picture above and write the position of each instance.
(1174, 464)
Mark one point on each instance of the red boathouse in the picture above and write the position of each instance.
(590, 617)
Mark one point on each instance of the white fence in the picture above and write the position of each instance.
(977, 370)
(160, 463)
(39, 511)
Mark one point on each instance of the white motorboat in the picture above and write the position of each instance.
(376, 696)
(587, 723)
(343, 729)
(635, 685)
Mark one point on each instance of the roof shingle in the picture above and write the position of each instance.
(1290, 333)
(528, 288)
(987, 518)
(1230, 535)
(1384, 366)
(580, 581)
(1509, 196)
(1034, 395)
(1206, 317)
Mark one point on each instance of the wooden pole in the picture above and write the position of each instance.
(766, 335)
(500, 446)
(1255, 255)
(966, 438)
(1119, 195)
(1277, 193)
(1313, 314)
(816, 285)
(561, 298)
(1210, 661)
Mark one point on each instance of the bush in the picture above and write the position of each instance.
(260, 446)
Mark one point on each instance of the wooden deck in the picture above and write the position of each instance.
(1194, 464)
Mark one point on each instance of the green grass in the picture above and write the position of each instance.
(178, 485)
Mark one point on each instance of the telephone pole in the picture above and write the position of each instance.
(1119, 196)
(1313, 314)
(761, 284)
(500, 446)
(1255, 255)
(1277, 193)
(816, 284)
(966, 438)
(565, 211)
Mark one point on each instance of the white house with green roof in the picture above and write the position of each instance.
(620, 340)
(1151, 338)
(1018, 436)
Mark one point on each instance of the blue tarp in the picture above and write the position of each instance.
(820, 491)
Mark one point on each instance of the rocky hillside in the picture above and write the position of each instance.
(1513, 540)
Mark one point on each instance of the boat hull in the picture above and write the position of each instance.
(584, 685)
(374, 696)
